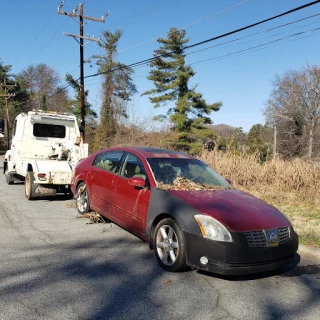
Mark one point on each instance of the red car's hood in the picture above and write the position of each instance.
(237, 210)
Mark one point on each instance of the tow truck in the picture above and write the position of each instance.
(45, 148)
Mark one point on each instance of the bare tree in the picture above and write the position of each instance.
(294, 106)
(41, 83)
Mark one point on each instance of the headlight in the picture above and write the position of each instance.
(212, 229)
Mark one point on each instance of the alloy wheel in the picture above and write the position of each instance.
(82, 201)
(167, 245)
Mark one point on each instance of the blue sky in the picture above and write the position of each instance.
(32, 33)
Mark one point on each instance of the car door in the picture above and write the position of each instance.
(129, 204)
(104, 167)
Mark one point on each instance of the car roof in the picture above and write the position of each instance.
(148, 152)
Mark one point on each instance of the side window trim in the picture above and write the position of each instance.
(122, 161)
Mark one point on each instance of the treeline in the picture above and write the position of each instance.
(292, 127)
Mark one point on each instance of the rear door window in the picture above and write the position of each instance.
(109, 161)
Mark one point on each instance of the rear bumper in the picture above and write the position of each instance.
(46, 190)
(237, 258)
(55, 178)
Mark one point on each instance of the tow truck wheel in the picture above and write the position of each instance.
(29, 186)
(9, 178)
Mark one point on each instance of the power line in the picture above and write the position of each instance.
(254, 24)
(236, 52)
(257, 46)
(252, 49)
(140, 13)
(260, 32)
(49, 40)
(146, 61)
(188, 25)
(31, 42)
(63, 60)
(230, 33)
(142, 62)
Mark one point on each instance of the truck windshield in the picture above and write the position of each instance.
(42, 130)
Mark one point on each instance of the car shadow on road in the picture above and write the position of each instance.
(114, 278)
(303, 270)
(308, 300)
(256, 276)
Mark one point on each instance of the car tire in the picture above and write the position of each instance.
(9, 177)
(169, 245)
(82, 198)
(29, 186)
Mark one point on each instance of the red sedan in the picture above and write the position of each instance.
(185, 210)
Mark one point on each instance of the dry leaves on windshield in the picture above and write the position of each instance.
(181, 183)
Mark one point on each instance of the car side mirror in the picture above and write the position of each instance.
(137, 182)
(228, 180)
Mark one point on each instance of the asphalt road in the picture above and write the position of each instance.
(55, 266)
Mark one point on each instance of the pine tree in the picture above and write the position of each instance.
(118, 88)
(237, 141)
(171, 76)
(75, 107)
(255, 142)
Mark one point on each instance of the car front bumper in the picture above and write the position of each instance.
(237, 258)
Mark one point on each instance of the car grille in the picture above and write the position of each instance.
(284, 234)
(258, 239)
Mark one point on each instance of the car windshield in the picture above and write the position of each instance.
(173, 171)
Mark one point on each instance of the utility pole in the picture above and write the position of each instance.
(81, 17)
(274, 142)
(7, 96)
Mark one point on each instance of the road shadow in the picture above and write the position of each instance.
(118, 278)
(308, 299)
(256, 276)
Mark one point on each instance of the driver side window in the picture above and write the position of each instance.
(133, 167)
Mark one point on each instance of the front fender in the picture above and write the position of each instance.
(162, 202)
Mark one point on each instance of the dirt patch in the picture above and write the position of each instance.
(181, 183)
(71, 204)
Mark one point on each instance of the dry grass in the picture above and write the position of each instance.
(292, 186)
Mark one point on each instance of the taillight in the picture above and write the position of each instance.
(42, 176)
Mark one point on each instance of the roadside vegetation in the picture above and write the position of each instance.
(293, 186)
